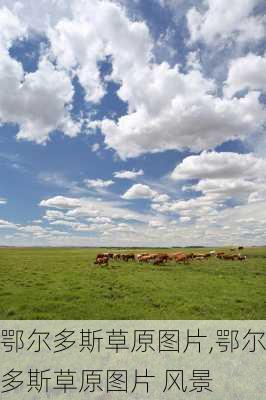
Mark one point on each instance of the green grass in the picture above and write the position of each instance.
(65, 284)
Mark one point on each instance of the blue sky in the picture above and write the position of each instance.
(132, 123)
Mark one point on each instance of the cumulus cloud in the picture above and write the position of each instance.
(167, 108)
(128, 174)
(7, 225)
(214, 165)
(2, 201)
(247, 72)
(223, 176)
(11, 28)
(99, 29)
(226, 20)
(95, 147)
(173, 110)
(139, 191)
(61, 202)
(39, 15)
(227, 188)
(36, 101)
(39, 102)
(98, 183)
(91, 207)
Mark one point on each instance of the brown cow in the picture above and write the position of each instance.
(148, 258)
(182, 258)
(158, 261)
(230, 257)
(102, 260)
(126, 257)
(220, 254)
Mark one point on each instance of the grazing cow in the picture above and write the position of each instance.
(190, 255)
(117, 256)
(148, 258)
(163, 256)
(173, 255)
(240, 248)
(230, 257)
(138, 256)
(220, 254)
(101, 260)
(158, 261)
(202, 255)
(242, 258)
(142, 259)
(126, 257)
(182, 258)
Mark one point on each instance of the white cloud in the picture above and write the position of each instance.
(246, 72)
(91, 207)
(99, 29)
(36, 101)
(214, 165)
(7, 225)
(161, 198)
(128, 174)
(185, 219)
(139, 191)
(39, 102)
(95, 147)
(225, 20)
(2, 201)
(39, 15)
(61, 202)
(167, 109)
(11, 28)
(227, 188)
(98, 183)
(177, 111)
(53, 214)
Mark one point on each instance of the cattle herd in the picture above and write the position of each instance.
(162, 258)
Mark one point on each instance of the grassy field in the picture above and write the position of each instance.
(56, 283)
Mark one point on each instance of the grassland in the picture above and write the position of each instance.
(59, 283)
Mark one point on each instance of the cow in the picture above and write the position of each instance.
(200, 256)
(147, 258)
(101, 260)
(173, 255)
(181, 258)
(126, 257)
(220, 254)
(158, 260)
(109, 255)
(117, 256)
(230, 257)
(242, 258)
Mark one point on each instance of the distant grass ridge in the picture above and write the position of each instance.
(61, 283)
